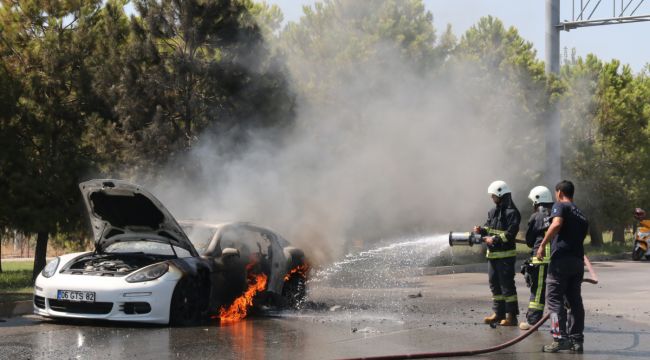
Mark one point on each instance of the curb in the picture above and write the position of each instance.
(16, 308)
(453, 269)
(483, 267)
(467, 268)
(610, 257)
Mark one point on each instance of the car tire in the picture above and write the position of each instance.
(185, 308)
(637, 254)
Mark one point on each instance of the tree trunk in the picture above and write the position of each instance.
(40, 253)
(0, 254)
(596, 234)
(618, 235)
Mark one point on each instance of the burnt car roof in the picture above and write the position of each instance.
(218, 226)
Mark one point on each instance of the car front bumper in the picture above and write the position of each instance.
(115, 298)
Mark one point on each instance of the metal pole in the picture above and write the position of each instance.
(553, 130)
(552, 36)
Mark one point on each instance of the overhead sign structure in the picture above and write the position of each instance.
(583, 13)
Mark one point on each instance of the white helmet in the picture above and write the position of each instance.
(540, 194)
(498, 188)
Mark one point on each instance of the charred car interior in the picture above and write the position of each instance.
(242, 251)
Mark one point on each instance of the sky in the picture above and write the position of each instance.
(628, 43)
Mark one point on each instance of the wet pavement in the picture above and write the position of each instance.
(416, 313)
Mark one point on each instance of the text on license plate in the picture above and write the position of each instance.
(72, 295)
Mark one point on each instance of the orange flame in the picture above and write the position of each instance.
(239, 308)
(301, 270)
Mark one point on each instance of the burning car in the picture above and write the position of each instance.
(269, 261)
(145, 268)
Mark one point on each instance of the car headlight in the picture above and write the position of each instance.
(149, 273)
(50, 268)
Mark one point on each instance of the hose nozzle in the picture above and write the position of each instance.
(464, 238)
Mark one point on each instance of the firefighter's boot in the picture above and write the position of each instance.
(557, 345)
(510, 320)
(494, 318)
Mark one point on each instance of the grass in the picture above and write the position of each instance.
(16, 280)
(609, 248)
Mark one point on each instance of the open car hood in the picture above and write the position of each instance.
(116, 207)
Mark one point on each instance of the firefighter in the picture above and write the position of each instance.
(499, 233)
(535, 269)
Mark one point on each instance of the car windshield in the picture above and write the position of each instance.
(146, 247)
(200, 236)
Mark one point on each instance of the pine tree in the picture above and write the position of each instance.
(193, 65)
(43, 47)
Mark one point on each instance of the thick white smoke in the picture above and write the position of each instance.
(390, 152)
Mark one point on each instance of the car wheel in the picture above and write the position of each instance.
(185, 308)
(637, 254)
(294, 291)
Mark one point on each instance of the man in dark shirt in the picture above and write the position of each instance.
(565, 271)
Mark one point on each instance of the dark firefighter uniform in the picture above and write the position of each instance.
(536, 269)
(502, 223)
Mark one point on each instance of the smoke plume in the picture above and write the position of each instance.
(386, 152)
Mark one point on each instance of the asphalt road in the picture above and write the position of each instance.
(423, 314)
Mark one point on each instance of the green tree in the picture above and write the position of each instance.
(9, 93)
(337, 41)
(605, 115)
(106, 63)
(268, 17)
(511, 93)
(43, 47)
(192, 65)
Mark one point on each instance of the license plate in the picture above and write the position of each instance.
(72, 295)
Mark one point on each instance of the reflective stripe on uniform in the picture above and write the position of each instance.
(500, 254)
(498, 297)
(501, 233)
(540, 286)
(547, 256)
(535, 305)
(512, 298)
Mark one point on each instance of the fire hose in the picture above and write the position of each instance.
(592, 280)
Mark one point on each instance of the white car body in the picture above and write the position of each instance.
(109, 295)
(115, 291)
